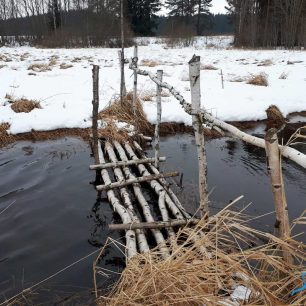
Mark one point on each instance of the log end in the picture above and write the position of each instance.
(195, 59)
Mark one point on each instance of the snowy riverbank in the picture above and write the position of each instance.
(65, 94)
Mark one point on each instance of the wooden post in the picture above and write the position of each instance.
(95, 110)
(222, 79)
(282, 224)
(135, 64)
(158, 117)
(194, 75)
(122, 59)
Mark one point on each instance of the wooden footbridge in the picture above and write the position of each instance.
(125, 172)
(134, 172)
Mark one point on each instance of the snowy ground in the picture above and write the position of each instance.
(65, 94)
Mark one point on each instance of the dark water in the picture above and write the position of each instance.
(55, 218)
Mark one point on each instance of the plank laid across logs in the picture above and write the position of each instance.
(125, 163)
(150, 225)
(141, 179)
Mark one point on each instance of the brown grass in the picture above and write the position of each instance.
(209, 67)
(265, 63)
(5, 138)
(24, 105)
(258, 80)
(65, 66)
(148, 63)
(39, 67)
(207, 262)
(274, 114)
(124, 112)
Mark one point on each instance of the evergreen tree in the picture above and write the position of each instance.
(203, 20)
(142, 15)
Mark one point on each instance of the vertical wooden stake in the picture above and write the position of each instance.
(135, 60)
(194, 75)
(95, 110)
(122, 59)
(158, 117)
(222, 79)
(282, 224)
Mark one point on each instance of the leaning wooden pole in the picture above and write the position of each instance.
(288, 152)
(282, 224)
(194, 75)
(158, 117)
(95, 111)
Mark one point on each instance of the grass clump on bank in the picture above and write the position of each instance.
(24, 105)
(210, 264)
(123, 112)
(5, 138)
(259, 80)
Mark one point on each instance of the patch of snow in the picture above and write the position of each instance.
(241, 293)
(65, 95)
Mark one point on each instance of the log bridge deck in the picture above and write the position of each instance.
(131, 168)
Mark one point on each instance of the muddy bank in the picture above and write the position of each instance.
(166, 129)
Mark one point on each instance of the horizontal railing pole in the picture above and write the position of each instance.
(125, 163)
(141, 179)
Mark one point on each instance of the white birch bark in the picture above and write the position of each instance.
(164, 183)
(288, 152)
(130, 236)
(135, 63)
(194, 76)
(160, 240)
(158, 117)
(155, 185)
(141, 238)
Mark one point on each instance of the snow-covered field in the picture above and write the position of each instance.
(65, 95)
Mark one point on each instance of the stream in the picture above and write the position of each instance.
(50, 216)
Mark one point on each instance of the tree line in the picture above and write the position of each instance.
(269, 23)
(72, 23)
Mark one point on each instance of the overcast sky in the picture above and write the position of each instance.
(218, 7)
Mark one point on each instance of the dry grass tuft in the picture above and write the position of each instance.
(258, 80)
(265, 63)
(208, 262)
(24, 105)
(274, 114)
(148, 63)
(39, 67)
(112, 133)
(209, 67)
(65, 66)
(283, 76)
(123, 112)
(5, 138)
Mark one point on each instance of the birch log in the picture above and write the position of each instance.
(134, 180)
(127, 163)
(95, 110)
(194, 75)
(160, 240)
(157, 224)
(286, 151)
(155, 185)
(164, 183)
(141, 238)
(158, 117)
(131, 249)
(282, 224)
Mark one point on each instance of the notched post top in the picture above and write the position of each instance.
(194, 59)
(271, 135)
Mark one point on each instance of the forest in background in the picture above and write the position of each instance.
(86, 23)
